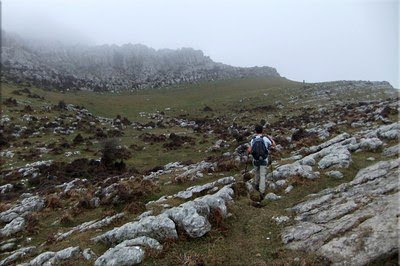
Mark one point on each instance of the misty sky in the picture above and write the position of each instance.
(304, 39)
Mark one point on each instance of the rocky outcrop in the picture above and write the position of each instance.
(18, 254)
(354, 223)
(15, 216)
(129, 252)
(191, 217)
(112, 67)
(91, 225)
(56, 258)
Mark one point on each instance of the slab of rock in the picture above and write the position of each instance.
(15, 226)
(342, 224)
(95, 224)
(391, 151)
(56, 258)
(391, 131)
(187, 218)
(191, 216)
(295, 169)
(340, 157)
(121, 256)
(370, 144)
(143, 241)
(17, 255)
(158, 227)
(6, 188)
(26, 206)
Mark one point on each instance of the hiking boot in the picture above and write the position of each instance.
(262, 196)
(256, 204)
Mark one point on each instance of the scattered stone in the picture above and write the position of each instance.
(272, 196)
(289, 189)
(280, 219)
(335, 174)
(88, 254)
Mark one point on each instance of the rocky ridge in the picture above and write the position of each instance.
(112, 67)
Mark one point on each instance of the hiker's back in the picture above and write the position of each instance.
(259, 148)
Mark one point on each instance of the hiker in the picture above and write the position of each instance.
(259, 149)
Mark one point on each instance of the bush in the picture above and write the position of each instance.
(62, 105)
(112, 152)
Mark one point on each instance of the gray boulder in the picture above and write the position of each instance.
(391, 151)
(88, 254)
(335, 174)
(143, 241)
(339, 157)
(187, 218)
(15, 226)
(26, 206)
(121, 256)
(295, 169)
(371, 144)
(158, 227)
(288, 189)
(17, 255)
(56, 258)
(272, 196)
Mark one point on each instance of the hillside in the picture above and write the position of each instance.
(155, 176)
(111, 67)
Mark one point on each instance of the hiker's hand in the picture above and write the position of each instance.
(248, 150)
(272, 140)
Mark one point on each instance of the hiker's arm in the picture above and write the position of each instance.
(272, 141)
(249, 150)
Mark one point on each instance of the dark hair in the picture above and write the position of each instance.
(258, 129)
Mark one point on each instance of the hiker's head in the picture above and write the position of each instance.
(258, 129)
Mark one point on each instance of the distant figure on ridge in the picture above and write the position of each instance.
(259, 149)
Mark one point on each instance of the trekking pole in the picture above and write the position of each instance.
(270, 155)
(245, 169)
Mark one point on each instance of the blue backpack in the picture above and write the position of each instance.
(259, 150)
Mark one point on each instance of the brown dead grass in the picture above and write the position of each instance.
(53, 201)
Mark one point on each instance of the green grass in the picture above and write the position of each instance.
(189, 98)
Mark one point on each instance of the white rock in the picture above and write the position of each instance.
(335, 174)
(280, 219)
(289, 189)
(272, 196)
(121, 256)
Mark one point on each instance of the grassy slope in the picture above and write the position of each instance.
(252, 237)
(223, 97)
(186, 99)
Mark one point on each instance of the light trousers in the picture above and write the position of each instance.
(259, 179)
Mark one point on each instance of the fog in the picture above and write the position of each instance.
(304, 39)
